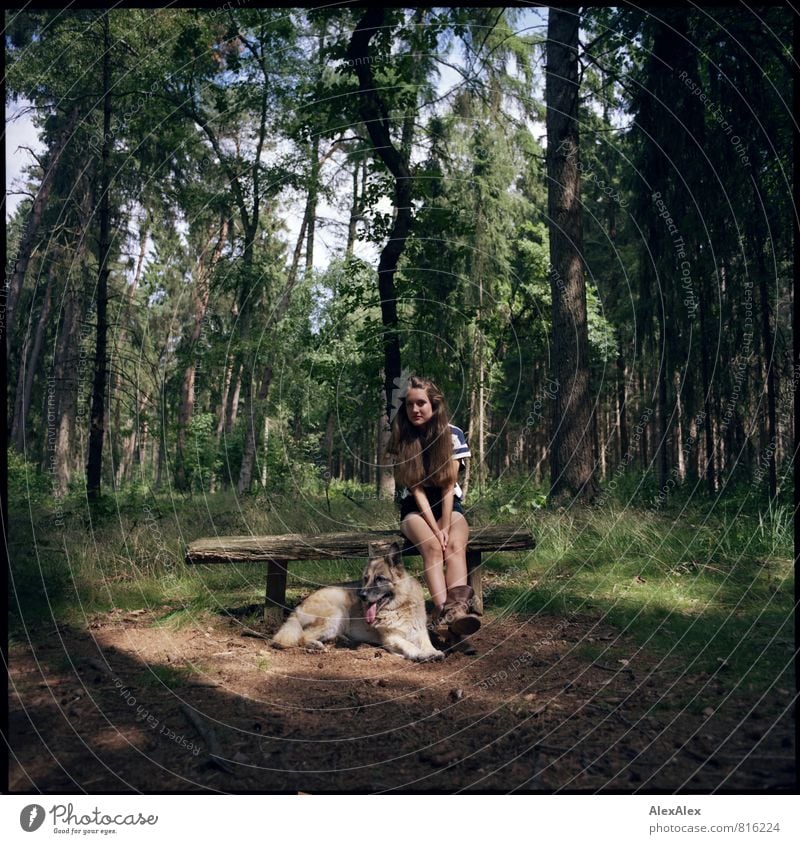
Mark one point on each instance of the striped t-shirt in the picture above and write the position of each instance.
(460, 451)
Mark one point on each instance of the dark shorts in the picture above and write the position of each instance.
(409, 505)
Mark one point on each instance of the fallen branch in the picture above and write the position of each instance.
(210, 738)
(255, 634)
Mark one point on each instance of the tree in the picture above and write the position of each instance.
(571, 455)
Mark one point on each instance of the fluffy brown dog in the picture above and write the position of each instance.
(386, 607)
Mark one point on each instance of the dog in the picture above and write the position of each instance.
(386, 608)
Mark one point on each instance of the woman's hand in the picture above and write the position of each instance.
(443, 535)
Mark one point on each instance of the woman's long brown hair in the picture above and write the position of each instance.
(423, 456)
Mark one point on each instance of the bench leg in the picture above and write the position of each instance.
(474, 579)
(276, 592)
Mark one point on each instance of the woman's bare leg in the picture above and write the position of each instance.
(455, 555)
(417, 530)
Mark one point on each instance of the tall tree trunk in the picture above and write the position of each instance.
(203, 270)
(28, 367)
(223, 401)
(385, 476)
(64, 369)
(477, 397)
(221, 417)
(708, 410)
(599, 452)
(23, 255)
(232, 410)
(622, 405)
(258, 407)
(129, 443)
(771, 364)
(679, 443)
(310, 217)
(355, 213)
(123, 314)
(662, 462)
(94, 466)
(316, 164)
(142, 443)
(694, 454)
(375, 115)
(571, 458)
(759, 241)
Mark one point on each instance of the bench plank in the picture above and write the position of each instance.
(279, 551)
(295, 547)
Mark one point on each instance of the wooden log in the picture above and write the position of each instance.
(276, 592)
(332, 546)
(474, 579)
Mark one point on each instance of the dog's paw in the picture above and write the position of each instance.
(435, 656)
(315, 647)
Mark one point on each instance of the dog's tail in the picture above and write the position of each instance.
(290, 635)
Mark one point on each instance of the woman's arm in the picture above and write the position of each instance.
(425, 509)
(447, 505)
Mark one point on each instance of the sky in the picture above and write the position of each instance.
(20, 132)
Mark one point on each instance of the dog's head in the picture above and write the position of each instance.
(383, 571)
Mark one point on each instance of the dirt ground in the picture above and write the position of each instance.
(547, 705)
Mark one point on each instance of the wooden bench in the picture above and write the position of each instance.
(278, 551)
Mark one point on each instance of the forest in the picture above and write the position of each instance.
(243, 228)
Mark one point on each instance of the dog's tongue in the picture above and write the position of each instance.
(372, 611)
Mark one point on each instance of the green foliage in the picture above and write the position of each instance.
(203, 462)
(232, 130)
(26, 482)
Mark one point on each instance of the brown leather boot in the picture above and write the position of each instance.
(437, 625)
(457, 613)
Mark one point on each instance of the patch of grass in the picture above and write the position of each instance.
(710, 591)
(710, 583)
(167, 675)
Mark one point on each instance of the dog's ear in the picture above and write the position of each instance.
(392, 552)
(395, 554)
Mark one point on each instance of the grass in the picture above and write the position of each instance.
(710, 584)
(158, 676)
(714, 592)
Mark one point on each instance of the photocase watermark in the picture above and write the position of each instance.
(627, 458)
(32, 817)
(590, 176)
(369, 60)
(52, 462)
(717, 114)
(66, 821)
(743, 357)
(145, 715)
(162, 554)
(690, 299)
(783, 410)
(687, 448)
(11, 268)
(66, 817)
(524, 658)
(555, 278)
(83, 363)
(548, 391)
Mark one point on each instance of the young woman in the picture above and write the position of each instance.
(427, 452)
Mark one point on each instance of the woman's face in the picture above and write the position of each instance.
(418, 407)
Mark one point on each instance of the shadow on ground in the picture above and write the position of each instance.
(550, 704)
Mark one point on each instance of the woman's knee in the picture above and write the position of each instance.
(431, 554)
(456, 549)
